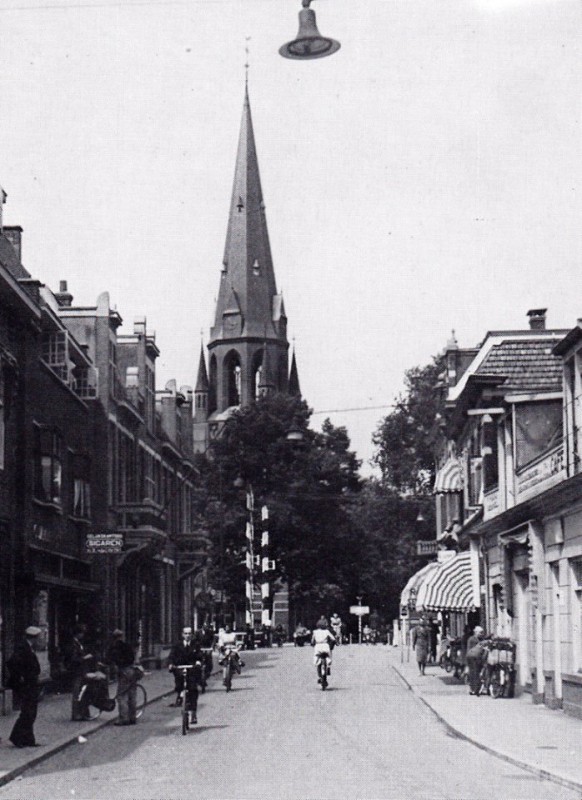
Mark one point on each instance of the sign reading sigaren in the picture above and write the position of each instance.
(104, 542)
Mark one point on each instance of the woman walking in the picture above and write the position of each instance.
(421, 644)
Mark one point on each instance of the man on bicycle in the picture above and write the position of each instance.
(227, 641)
(186, 652)
(321, 639)
(336, 626)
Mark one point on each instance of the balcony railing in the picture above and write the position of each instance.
(542, 474)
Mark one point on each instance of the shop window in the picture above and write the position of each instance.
(538, 429)
(2, 421)
(576, 576)
(47, 465)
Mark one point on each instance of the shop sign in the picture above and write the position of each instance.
(360, 611)
(104, 543)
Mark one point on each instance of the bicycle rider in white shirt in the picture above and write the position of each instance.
(321, 639)
(227, 641)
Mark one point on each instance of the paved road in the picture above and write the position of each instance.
(278, 736)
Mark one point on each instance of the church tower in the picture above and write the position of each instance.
(248, 347)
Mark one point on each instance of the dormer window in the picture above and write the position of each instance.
(256, 267)
(240, 205)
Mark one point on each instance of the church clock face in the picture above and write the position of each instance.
(230, 324)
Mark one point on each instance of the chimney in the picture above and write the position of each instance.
(537, 319)
(14, 235)
(139, 326)
(63, 297)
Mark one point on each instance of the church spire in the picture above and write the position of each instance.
(294, 388)
(247, 271)
(247, 350)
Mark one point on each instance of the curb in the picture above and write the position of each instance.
(49, 752)
(541, 773)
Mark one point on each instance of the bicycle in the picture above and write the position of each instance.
(230, 664)
(97, 688)
(322, 670)
(185, 710)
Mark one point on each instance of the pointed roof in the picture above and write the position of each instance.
(266, 382)
(294, 388)
(202, 380)
(247, 264)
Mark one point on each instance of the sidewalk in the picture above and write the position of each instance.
(548, 743)
(54, 729)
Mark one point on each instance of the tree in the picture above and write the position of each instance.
(307, 491)
(406, 439)
(387, 529)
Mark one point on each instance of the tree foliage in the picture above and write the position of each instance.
(407, 437)
(307, 490)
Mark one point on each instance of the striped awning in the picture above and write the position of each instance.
(450, 587)
(410, 592)
(449, 478)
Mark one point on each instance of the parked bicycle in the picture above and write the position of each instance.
(501, 668)
(96, 688)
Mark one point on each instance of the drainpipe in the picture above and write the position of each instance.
(536, 585)
(556, 603)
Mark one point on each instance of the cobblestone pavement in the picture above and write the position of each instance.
(278, 736)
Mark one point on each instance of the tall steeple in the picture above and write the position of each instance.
(250, 314)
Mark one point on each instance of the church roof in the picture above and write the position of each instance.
(294, 388)
(247, 272)
(202, 380)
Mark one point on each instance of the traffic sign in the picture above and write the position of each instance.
(359, 611)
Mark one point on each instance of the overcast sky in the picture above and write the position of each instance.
(426, 177)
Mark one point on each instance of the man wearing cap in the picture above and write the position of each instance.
(121, 654)
(24, 671)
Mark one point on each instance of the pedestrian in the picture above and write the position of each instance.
(476, 653)
(421, 644)
(24, 669)
(122, 656)
(79, 662)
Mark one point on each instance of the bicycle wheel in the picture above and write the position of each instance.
(185, 720)
(322, 669)
(141, 700)
(496, 688)
(228, 678)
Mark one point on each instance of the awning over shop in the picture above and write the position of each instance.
(449, 478)
(410, 591)
(450, 587)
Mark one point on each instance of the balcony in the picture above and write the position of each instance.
(491, 503)
(545, 472)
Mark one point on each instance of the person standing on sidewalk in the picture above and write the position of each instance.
(475, 655)
(122, 655)
(24, 669)
(79, 662)
(421, 644)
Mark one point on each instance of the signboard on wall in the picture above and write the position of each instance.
(104, 543)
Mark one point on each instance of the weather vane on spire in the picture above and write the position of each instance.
(247, 65)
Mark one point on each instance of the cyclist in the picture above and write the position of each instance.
(322, 639)
(336, 626)
(187, 652)
(227, 642)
